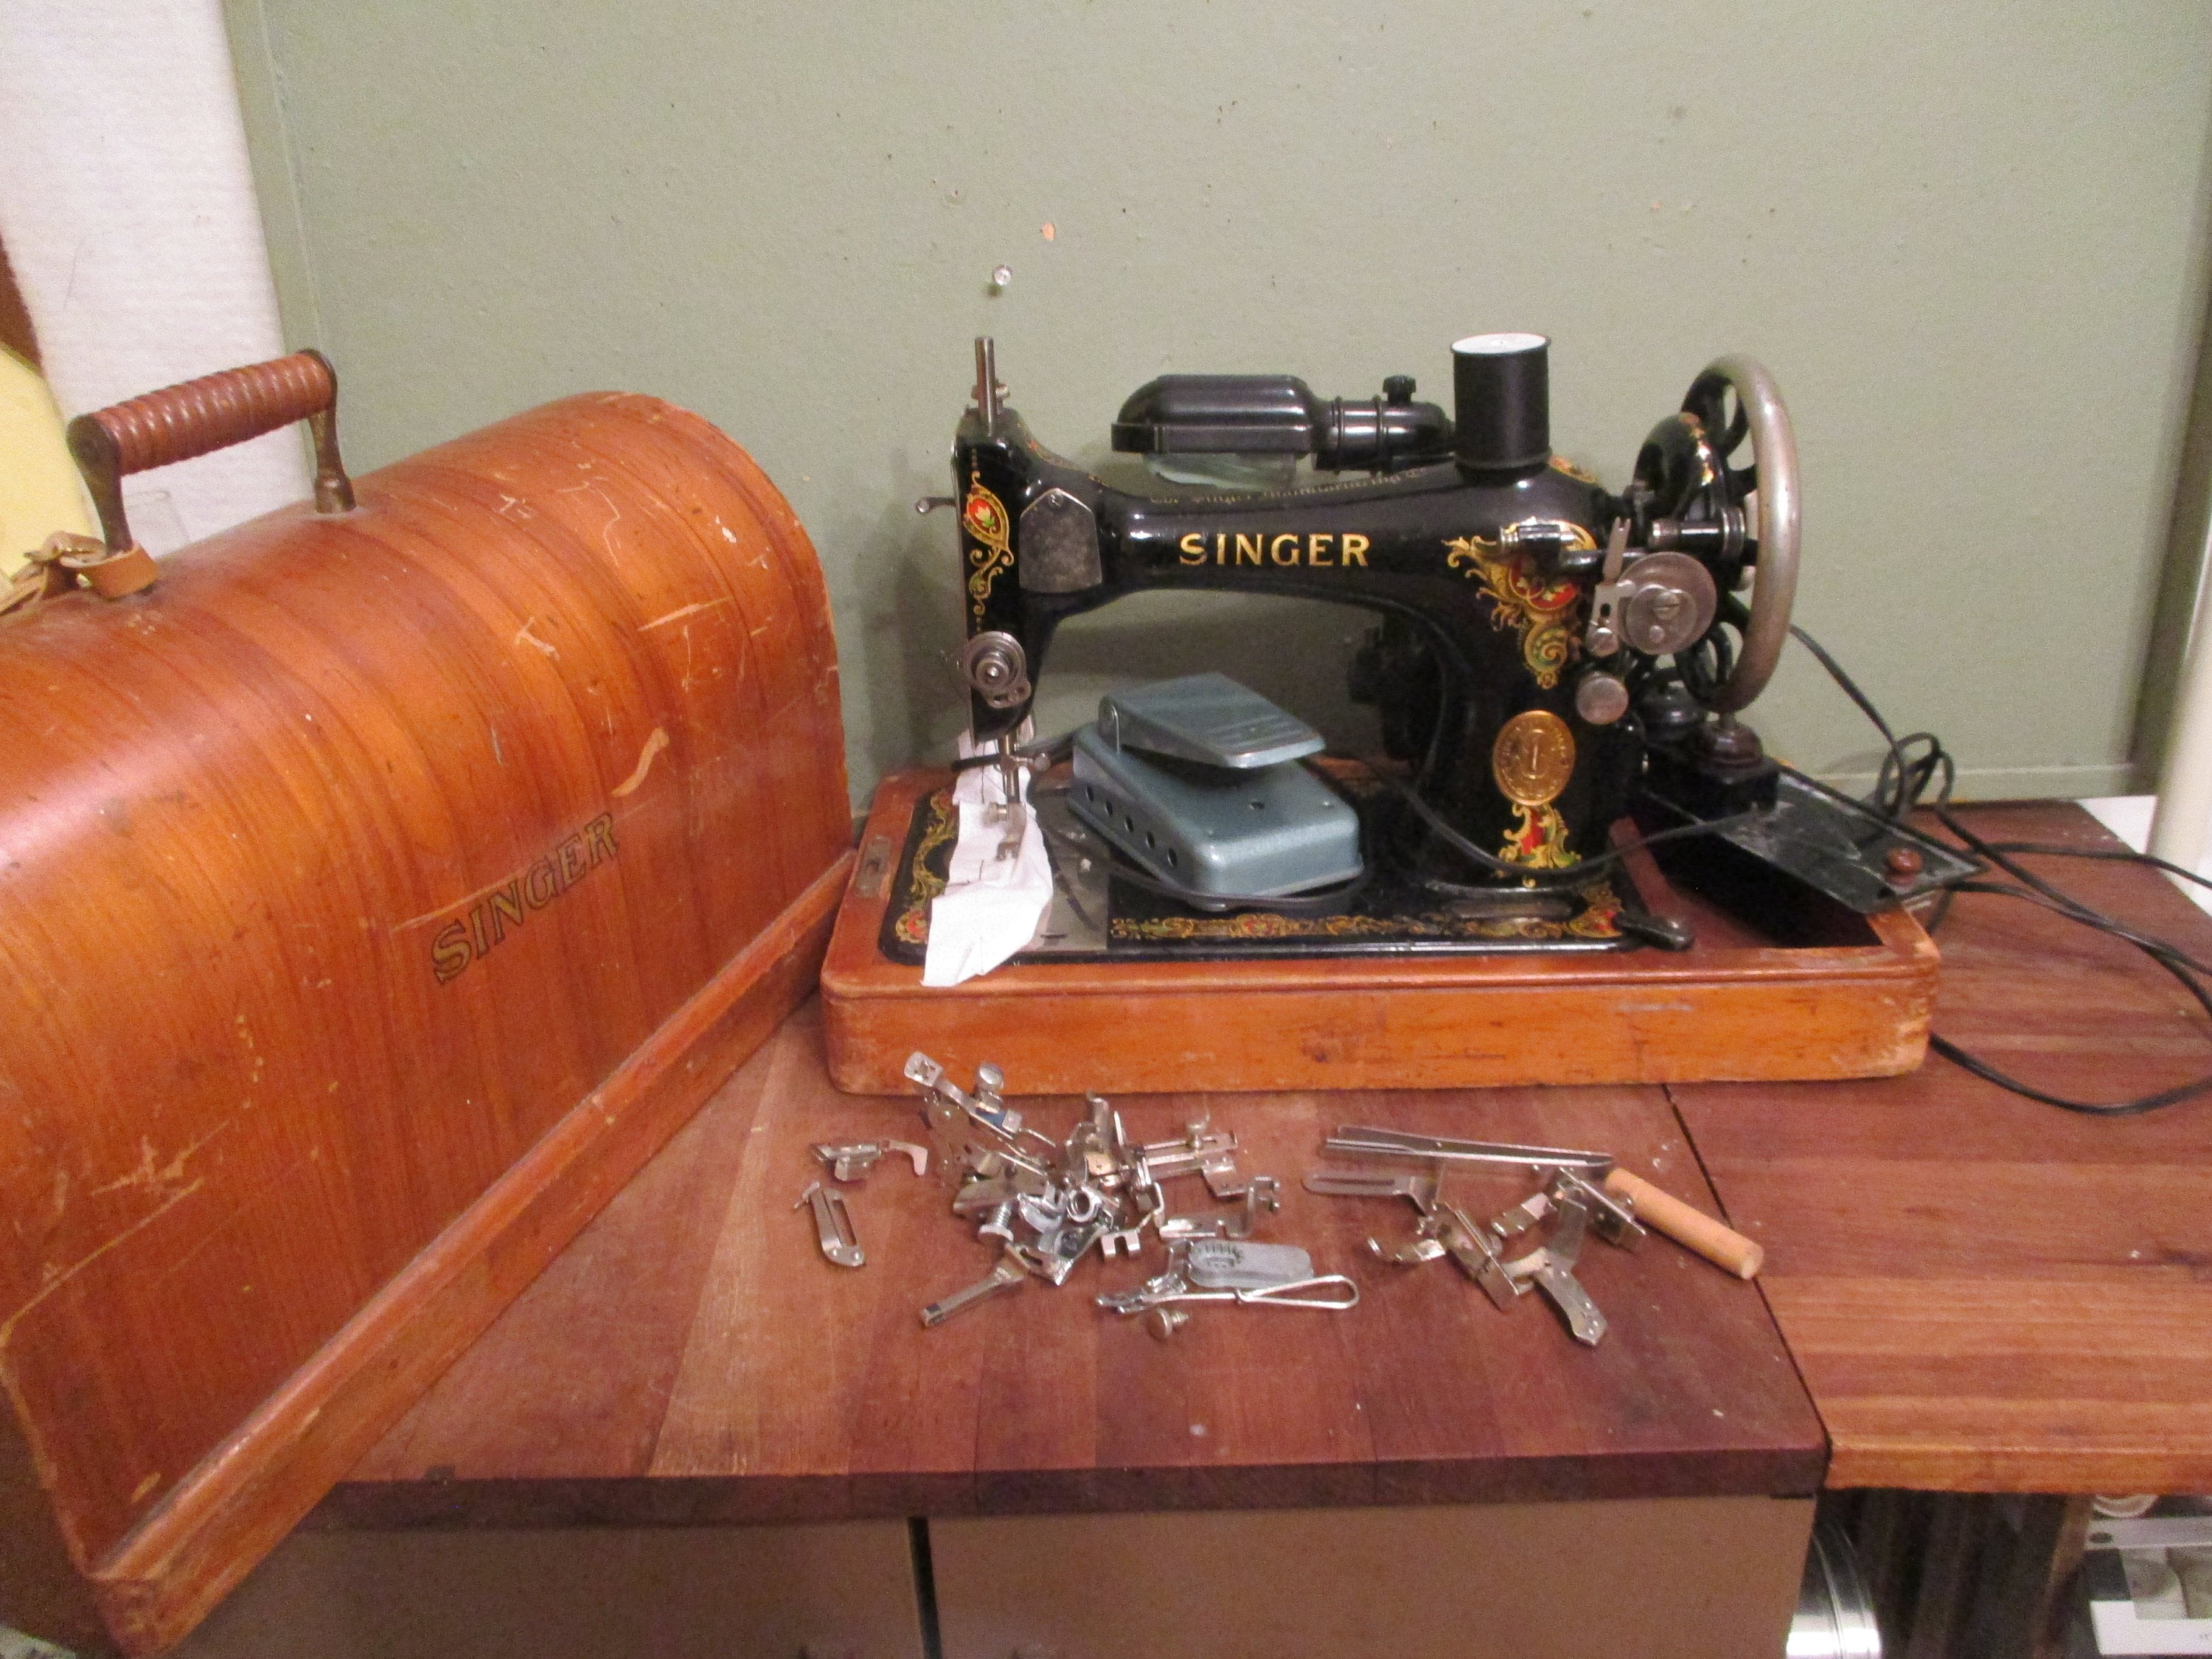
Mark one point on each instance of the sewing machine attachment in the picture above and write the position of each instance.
(1262, 1194)
(1224, 1264)
(1424, 1246)
(832, 1225)
(852, 1160)
(1550, 1268)
(1322, 1293)
(1359, 1141)
(1006, 1273)
(1474, 1247)
(1419, 1190)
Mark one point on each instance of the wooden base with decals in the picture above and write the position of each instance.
(1851, 1000)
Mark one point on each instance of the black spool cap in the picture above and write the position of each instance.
(1501, 385)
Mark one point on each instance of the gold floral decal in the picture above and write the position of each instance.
(1705, 460)
(1537, 838)
(983, 516)
(1541, 610)
(1601, 913)
(1594, 921)
(1262, 924)
(924, 884)
(1580, 474)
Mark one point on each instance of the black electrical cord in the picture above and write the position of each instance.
(2110, 854)
(1575, 876)
(1329, 899)
(1905, 776)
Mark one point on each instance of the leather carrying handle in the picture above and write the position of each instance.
(197, 418)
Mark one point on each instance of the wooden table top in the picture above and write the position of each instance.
(1981, 1293)
(691, 1356)
(1984, 1293)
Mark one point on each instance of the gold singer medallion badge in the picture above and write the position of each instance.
(1532, 761)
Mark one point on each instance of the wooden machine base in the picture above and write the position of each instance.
(1852, 1000)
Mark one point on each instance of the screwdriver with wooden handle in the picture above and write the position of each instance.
(1692, 1229)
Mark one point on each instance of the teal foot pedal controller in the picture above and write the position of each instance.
(1197, 780)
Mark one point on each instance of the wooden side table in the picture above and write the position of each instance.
(1986, 1295)
(1423, 1458)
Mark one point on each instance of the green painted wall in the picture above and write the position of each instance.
(1967, 237)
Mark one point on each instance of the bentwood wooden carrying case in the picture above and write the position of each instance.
(379, 888)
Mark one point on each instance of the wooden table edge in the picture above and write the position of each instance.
(525, 1502)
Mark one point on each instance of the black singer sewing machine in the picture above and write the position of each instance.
(1550, 657)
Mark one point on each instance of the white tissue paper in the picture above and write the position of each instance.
(990, 907)
(128, 209)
